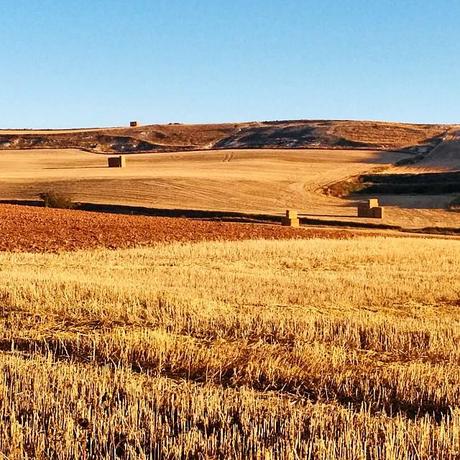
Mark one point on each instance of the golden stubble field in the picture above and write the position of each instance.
(322, 349)
(263, 181)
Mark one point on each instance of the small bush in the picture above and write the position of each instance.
(454, 205)
(344, 188)
(52, 199)
(411, 160)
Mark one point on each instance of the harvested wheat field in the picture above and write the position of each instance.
(230, 180)
(258, 181)
(319, 348)
(430, 183)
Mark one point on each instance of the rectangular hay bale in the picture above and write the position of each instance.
(291, 214)
(372, 202)
(364, 211)
(377, 212)
(288, 222)
(117, 162)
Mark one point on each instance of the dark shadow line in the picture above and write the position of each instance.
(79, 167)
(231, 216)
(326, 215)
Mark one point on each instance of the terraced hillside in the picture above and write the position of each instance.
(430, 180)
(271, 134)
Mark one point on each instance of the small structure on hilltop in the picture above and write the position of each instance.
(370, 209)
(291, 219)
(133, 124)
(117, 162)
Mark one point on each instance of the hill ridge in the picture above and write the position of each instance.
(302, 134)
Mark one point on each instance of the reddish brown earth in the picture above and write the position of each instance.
(34, 229)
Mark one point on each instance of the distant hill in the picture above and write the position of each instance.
(413, 138)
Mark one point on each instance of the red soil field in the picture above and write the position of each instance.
(33, 229)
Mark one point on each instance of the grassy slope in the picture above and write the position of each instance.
(337, 349)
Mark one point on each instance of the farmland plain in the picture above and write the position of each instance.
(140, 337)
(261, 167)
(321, 348)
(260, 181)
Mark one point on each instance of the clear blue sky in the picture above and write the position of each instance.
(68, 63)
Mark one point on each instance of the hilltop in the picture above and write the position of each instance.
(412, 138)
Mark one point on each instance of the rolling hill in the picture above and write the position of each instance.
(324, 134)
(259, 167)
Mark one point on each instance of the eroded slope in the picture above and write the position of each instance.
(270, 134)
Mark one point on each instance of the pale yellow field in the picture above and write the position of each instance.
(444, 158)
(266, 181)
(251, 180)
(320, 349)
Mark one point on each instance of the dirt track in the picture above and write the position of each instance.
(33, 229)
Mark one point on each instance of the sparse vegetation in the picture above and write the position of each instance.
(344, 188)
(297, 349)
(54, 199)
(396, 184)
(274, 134)
(412, 160)
(454, 205)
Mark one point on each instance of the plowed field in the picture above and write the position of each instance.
(33, 229)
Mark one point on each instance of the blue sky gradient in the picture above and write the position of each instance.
(72, 63)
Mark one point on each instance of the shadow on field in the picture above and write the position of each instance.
(78, 167)
(237, 217)
(338, 216)
(66, 349)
